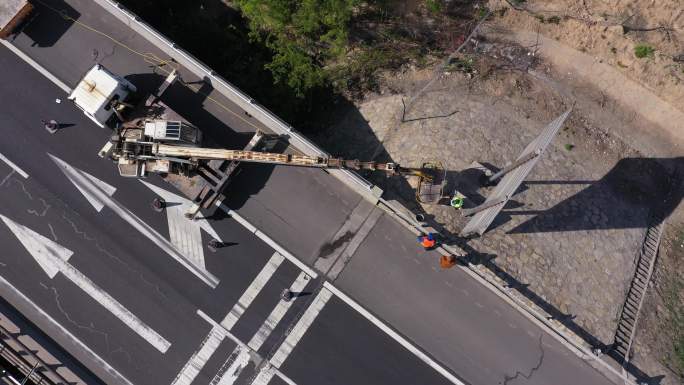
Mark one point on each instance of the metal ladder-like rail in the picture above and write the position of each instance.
(626, 329)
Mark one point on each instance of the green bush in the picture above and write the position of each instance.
(643, 50)
(434, 6)
(303, 35)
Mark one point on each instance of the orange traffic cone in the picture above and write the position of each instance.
(447, 261)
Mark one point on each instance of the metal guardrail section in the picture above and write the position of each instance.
(511, 181)
(247, 103)
(624, 335)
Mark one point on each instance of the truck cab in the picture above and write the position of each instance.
(101, 95)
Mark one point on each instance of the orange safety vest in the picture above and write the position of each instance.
(427, 243)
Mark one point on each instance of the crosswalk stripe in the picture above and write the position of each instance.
(301, 327)
(278, 313)
(252, 291)
(193, 366)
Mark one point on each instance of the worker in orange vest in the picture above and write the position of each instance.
(427, 241)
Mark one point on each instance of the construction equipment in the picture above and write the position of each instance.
(102, 96)
(12, 14)
(152, 138)
(173, 147)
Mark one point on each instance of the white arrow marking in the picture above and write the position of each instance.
(184, 233)
(53, 258)
(98, 193)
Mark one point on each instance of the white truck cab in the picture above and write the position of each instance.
(99, 92)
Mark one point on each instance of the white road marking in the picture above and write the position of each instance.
(85, 183)
(278, 313)
(252, 291)
(265, 375)
(251, 228)
(185, 234)
(233, 366)
(11, 164)
(94, 196)
(36, 66)
(8, 290)
(200, 357)
(393, 334)
(301, 327)
(53, 258)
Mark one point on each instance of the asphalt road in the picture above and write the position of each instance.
(122, 262)
(477, 336)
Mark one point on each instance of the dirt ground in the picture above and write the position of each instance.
(572, 232)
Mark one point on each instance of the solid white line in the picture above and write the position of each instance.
(99, 362)
(278, 313)
(252, 291)
(11, 164)
(393, 334)
(200, 357)
(36, 66)
(301, 327)
(301, 265)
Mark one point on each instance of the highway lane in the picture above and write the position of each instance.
(304, 209)
(117, 258)
(287, 202)
(473, 331)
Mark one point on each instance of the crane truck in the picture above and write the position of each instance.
(152, 138)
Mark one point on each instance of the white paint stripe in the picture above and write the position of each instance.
(237, 361)
(36, 66)
(301, 327)
(301, 265)
(265, 375)
(278, 313)
(77, 177)
(252, 291)
(396, 336)
(285, 378)
(11, 164)
(220, 328)
(200, 357)
(185, 234)
(78, 345)
(53, 257)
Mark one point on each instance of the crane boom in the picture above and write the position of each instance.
(166, 150)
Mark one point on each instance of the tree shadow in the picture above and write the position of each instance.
(49, 21)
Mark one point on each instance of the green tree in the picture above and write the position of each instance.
(303, 34)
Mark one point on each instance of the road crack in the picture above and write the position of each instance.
(109, 254)
(528, 376)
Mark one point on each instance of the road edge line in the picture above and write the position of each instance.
(393, 334)
(268, 240)
(36, 66)
(120, 379)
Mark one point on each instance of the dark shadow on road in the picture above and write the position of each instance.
(49, 21)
